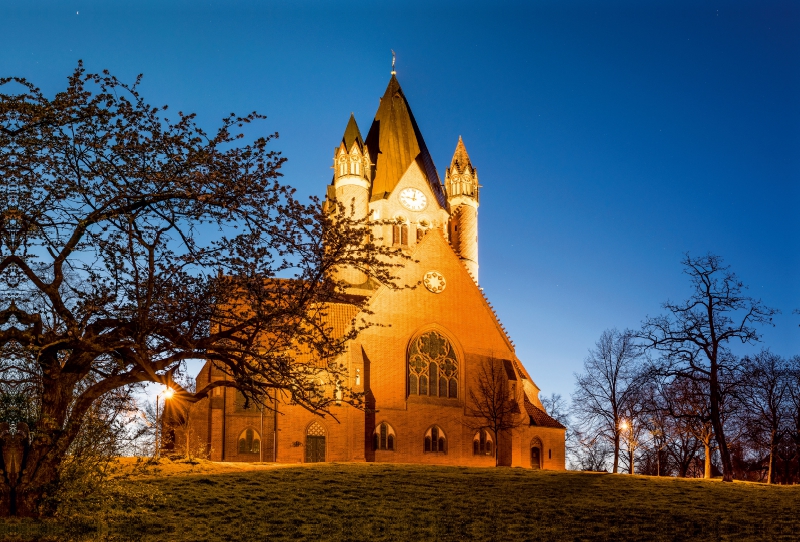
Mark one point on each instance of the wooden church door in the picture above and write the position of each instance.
(315, 449)
(315, 443)
(535, 458)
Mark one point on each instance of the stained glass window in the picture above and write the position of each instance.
(435, 440)
(432, 366)
(383, 438)
(249, 442)
(482, 443)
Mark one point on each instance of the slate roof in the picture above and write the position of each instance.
(394, 142)
(540, 417)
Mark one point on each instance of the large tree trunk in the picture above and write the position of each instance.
(707, 473)
(28, 470)
(615, 468)
(716, 423)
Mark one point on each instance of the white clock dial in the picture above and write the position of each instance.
(413, 200)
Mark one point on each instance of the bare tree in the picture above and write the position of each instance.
(605, 393)
(591, 453)
(765, 403)
(130, 242)
(794, 415)
(493, 401)
(687, 404)
(693, 336)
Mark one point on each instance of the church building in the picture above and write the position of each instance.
(418, 369)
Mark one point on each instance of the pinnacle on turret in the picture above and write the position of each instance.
(460, 157)
(351, 157)
(461, 178)
(352, 135)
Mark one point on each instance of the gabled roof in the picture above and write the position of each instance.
(352, 135)
(540, 417)
(394, 142)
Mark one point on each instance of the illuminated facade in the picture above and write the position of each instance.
(418, 371)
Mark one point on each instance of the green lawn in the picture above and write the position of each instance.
(410, 502)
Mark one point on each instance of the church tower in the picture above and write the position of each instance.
(351, 184)
(461, 182)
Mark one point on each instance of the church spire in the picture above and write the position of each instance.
(394, 142)
(461, 180)
(351, 182)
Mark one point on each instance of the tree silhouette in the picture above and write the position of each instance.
(692, 338)
(131, 242)
(493, 402)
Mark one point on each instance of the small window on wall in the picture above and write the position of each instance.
(400, 234)
(482, 443)
(435, 441)
(383, 438)
(249, 442)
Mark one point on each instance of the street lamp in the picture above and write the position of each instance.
(626, 426)
(167, 393)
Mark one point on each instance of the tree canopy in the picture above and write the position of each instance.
(132, 240)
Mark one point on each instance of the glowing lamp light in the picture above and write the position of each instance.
(168, 393)
(623, 425)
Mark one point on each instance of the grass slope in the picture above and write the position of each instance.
(412, 502)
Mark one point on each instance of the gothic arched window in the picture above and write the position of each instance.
(482, 443)
(249, 442)
(435, 441)
(383, 438)
(432, 366)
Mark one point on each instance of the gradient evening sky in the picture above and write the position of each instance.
(610, 137)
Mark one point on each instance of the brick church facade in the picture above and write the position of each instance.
(417, 370)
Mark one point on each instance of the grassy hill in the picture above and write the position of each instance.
(377, 502)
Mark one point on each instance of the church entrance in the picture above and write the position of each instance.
(315, 443)
(536, 460)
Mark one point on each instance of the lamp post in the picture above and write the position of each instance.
(658, 435)
(167, 393)
(626, 426)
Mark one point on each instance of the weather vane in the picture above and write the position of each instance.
(393, 58)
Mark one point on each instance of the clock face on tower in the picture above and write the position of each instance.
(412, 199)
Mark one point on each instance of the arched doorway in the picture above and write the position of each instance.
(315, 443)
(536, 453)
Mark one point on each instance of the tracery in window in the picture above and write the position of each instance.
(383, 437)
(482, 443)
(432, 366)
(249, 442)
(435, 440)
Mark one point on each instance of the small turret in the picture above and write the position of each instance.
(461, 183)
(351, 162)
(351, 183)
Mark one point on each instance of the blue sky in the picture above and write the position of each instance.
(610, 137)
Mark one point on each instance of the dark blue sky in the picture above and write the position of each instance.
(610, 137)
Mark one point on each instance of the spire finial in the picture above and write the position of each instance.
(393, 59)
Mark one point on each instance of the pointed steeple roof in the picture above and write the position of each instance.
(352, 134)
(461, 158)
(394, 142)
